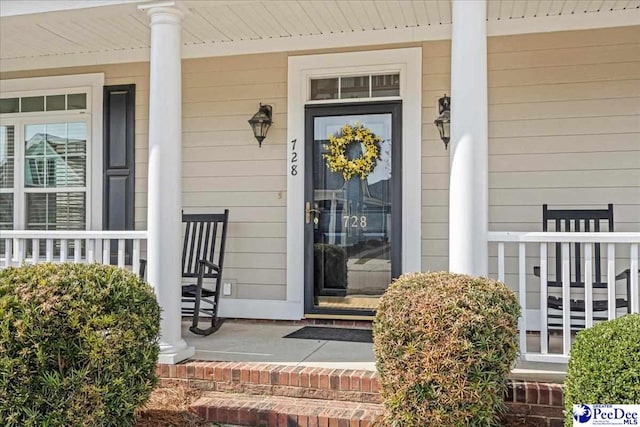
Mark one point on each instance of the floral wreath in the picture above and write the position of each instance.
(337, 159)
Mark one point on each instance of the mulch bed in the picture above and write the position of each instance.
(169, 407)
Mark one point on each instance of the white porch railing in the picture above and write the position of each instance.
(510, 264)
(33, 246)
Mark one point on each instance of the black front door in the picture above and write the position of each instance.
(352, 213)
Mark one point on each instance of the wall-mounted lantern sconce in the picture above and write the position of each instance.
(260, 123)
(443, 121)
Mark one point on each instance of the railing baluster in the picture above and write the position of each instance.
(635, 294)
(135, 262)
(20, 254)
(588, 284)
(98, 249)
(611, 280)
(49, 250)
(566, 300)
(77, 251)
(544, 337)
(522, 287)
(106, 251)
(35, 251)
(63, 250)
(121, 253)
(8, 252)
(91, 250)
(501, 262)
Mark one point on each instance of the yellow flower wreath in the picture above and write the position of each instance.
(337, 159)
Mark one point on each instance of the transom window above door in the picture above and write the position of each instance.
(354, 87)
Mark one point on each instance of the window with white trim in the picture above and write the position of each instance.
(45, 160)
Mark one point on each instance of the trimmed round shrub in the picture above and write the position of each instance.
(445, 344)
(78, 345)
(604, 365)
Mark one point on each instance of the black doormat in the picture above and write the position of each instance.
(332, 334)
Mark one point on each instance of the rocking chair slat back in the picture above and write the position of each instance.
(201, 242)
(576, 220)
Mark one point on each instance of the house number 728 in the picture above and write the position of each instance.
(355, 221)
(294, 158)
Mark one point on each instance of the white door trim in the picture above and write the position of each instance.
(408, 62)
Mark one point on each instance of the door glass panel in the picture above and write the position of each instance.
(352, 219)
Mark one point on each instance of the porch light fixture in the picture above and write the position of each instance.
(260, 123)
(443, 121)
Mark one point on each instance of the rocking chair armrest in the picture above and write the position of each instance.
(209, 264)
(625, 274)
(536, 270)
(143, 268)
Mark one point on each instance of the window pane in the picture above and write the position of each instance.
(55, 211)
(32, 103)
(10, 105)
(6, 211)
(77, 101)
(7, 147)
(386, 85)
(76, 172)
(55, 155)
(354, 87)
(77, 139)
(324, 89)
(56, 103)
(6, 215)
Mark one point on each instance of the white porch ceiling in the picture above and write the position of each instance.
(120, 33)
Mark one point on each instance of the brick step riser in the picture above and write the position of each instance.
(271, 418)
(274, 380)
(277, 411)
(271, 390)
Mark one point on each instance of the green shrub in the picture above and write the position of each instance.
(604, 365)
(78, 345)
(444, 345)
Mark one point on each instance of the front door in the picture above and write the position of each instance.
(352, 206)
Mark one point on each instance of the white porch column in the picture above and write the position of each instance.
(468, 186)
(165, 176)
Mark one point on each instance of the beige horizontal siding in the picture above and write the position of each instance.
(224, 168)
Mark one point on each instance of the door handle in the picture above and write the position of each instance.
(308, 211)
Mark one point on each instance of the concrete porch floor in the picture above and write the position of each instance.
(246, 341)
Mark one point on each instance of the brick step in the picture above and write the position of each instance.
(280, 411)
(275, 380)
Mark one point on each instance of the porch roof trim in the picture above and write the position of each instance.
(119, 32)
